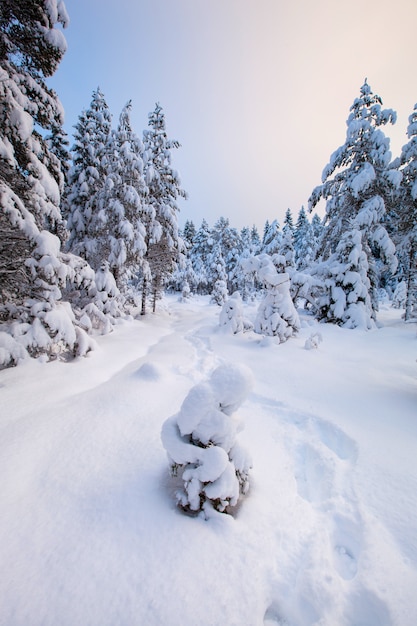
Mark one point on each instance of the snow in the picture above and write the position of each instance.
(326, 535)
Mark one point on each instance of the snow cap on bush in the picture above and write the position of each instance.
(201, 442)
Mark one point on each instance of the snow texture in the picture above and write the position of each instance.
(89, 533)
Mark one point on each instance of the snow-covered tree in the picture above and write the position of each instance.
(201, 443)
(33, 269)
(126, 207)
(230, 246)
(357, 182)
(345, 300)
(318, 228)
(406, 215)
(271, 243)
(88, 190)
(188, 234)
(164, 245)
(304, 242)
(288, 223)
(231, 316)
(255, 238)
(217, 275)
(199, 255)
(276, 315)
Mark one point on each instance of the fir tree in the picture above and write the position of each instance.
(189, 233)
(271, 243)
(217, 275)
(406, 216)
(126, 208)
(164, 246)
(33, 269)
(199, 254)
(304, 245)
(88, 190)
(288, 222)
(356, 185)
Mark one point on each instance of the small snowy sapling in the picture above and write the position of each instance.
(201, 442)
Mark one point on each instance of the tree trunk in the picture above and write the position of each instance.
(144, 288)
(410, 283)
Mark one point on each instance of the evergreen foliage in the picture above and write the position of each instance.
(405, 216)
(357, 183)
(33, 270)
(164, 246)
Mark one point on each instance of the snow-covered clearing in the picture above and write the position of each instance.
(89, 530)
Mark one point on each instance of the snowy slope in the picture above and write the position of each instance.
(89, 532)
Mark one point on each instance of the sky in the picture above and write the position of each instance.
(257, 93)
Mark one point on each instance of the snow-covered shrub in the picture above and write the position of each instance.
(231, 315)
(219, 293)
(400, 295)
(276, 315)
(313, 341)
(201, 442)
(11, 351)
(185, 292)
(346, 300)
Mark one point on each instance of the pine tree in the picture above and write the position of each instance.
(125, 202)
(86, 195)
(33, 270)
(189, 233)
(346, 300)
(271, 243)
(255, 239)
(276, 314)
(406, 216)
(356, 185)
(304, 245)
(164, 246)
(288, 222)
(230, 246)
(217, 275)
(199, 254)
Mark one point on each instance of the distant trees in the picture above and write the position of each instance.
(82, 244)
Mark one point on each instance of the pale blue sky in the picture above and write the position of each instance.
(256, 91)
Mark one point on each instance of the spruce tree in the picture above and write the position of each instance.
(199, 254)
(164, 245)
(125, 202)
(406, 216)
(86, 195)
(33, 269)
(271, 243)
(304, 246)
(357, 182)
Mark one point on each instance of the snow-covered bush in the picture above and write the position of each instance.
(400, 295)
(346, 300)
(219, 293)
(201, 442)
(276, 315)
(231, 315)
(186, 291)
(313, 341)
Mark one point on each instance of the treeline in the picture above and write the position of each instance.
(91, 234)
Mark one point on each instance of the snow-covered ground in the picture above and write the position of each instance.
(89, 530)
